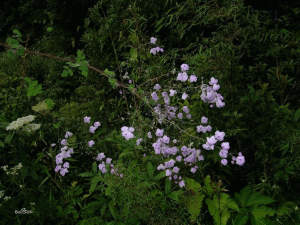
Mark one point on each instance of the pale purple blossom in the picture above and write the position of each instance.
(91, 143)
(87, 119)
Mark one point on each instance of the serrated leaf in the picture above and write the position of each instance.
(241, 219)
(174, 195)
(244, 195)
(260, 200)
(192, 184)
(194, 205)
(227, 202)
(112, 210)
(208, 186)
(150, 169)
(263, 211)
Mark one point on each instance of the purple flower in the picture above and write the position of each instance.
(240, 160)
(101, 166)
(193, 78)
(63, 171)
(175, 169)
(225, 145)
(120, 92)
(212, 140)
(184, 67)
(224, 162)
(165, 139)
(193, 170)
(204, 119)
(180, 115)
(68, 134)
(108, 160)
(159, 133)
(130, 81)
(104, 170)
(149, 135)
(100, 156)
(97, 124)
(223, 153)
(53, 144)
(181, 183)
(219, 135)
(157, 87)
(153, 51)
(66, 165)
(213, 81)
(87, 119)
(154, 96)
(64, 142)
(121, 175)
(153, 40)
(168, 173)
(174, 141)
(57, 168)
(92, 129)
(216, 87)
(172, 92)
(189, 116)
(184, 96)
(185, 109)
(91, 143)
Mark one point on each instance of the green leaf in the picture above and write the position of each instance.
(86, 174)
(297, 115)
(133, 54)
(11, 54)
(125, 153)
(56, 125)
(1, 144)
(192, 184)
(112, 209)
(79, 53)
(243, 196)
(43, 181)
(150, 169)
(49, 103)
(263, 211)
(49, 29)
(21, 51)
(65, 73)
(8, 138)
(208, 186)
(167, 186)
(160, 175)
(241, 219)
(84, 72)
(227, 202)
(94, 167)
(17, 32)
(259, 200)
(174, 195)
(109, 73)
